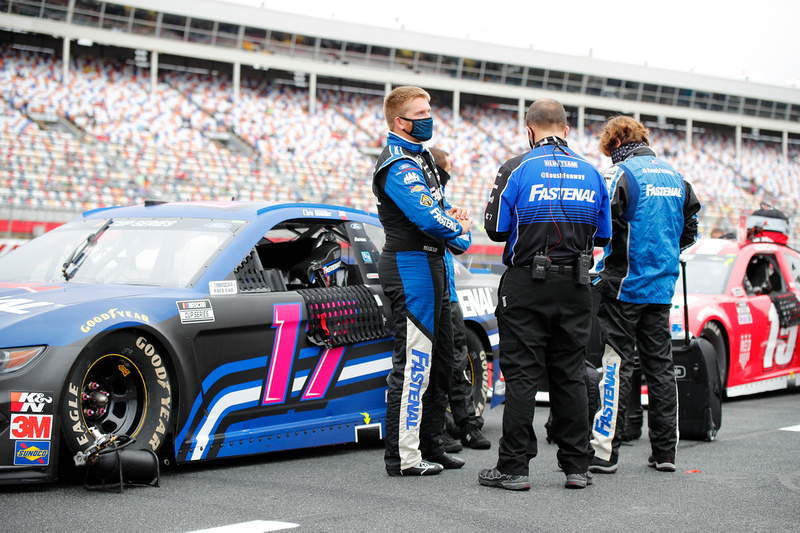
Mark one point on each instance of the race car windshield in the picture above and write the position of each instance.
(706, 274)
(161, 252)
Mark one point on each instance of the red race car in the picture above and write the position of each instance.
(743, 298)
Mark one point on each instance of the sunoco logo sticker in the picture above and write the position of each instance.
(193, 311)
(36, 453)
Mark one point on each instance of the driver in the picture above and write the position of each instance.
(418, 221)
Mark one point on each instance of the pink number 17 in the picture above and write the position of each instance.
(287, 321)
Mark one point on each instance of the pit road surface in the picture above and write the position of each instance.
(747, 480)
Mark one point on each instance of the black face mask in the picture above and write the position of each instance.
(421, 128)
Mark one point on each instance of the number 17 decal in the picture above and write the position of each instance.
(287, 321)
(323, 374)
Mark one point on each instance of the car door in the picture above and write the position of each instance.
(771, 345)
(305, 360)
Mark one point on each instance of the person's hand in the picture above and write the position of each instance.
(459, 213)
(466, 225)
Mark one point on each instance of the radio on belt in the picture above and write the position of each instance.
(541, 262)
(584, 264)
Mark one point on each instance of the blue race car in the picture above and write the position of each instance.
(202, 330)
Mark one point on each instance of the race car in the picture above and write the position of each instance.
(743, 298)
(203, 330)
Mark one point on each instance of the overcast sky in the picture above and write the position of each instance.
(759, 41)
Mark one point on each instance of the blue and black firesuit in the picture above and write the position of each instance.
(413, 211)
(654, 217)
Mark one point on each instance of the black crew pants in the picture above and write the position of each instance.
(544, 327)
(624, 328)
(462, 404)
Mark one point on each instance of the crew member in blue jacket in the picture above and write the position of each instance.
(654, 215)
(551, 207)
(418, 222)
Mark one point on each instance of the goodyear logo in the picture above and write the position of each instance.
(112, 314)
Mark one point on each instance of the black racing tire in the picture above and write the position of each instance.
(714, 333)
(477, 370)
(121, 385)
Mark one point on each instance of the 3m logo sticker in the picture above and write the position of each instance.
(31, 426)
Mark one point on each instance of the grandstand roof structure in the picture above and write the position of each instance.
(264, 39)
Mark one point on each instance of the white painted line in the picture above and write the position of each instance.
(256, 526)
(791, 428)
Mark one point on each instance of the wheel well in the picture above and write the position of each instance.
(719, 328)
(482, 336)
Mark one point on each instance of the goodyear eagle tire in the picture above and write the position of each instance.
(478, 370)
(121, 385)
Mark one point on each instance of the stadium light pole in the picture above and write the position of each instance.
(65, 66)
(785, 146)
(153, 72)
(237, 81)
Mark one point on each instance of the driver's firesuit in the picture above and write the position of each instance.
(412, 271)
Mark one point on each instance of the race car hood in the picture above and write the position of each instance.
(69, 311)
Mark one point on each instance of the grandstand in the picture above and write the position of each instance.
(252, 104)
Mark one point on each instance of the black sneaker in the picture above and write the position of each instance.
(475, 439)
(424, 468)
(578, 481)
(451, 445)
(493, 478)
(661, 466)
(446, 461)
(599, 466)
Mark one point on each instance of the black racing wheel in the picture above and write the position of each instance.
(122, 386)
